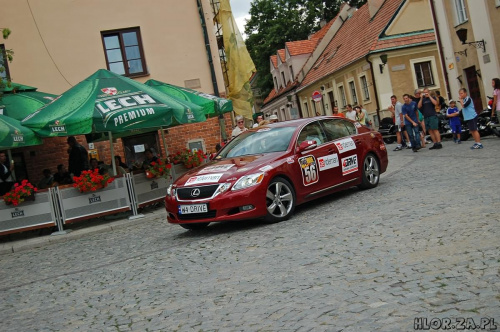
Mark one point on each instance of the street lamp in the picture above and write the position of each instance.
(383, 58)
(462, 36)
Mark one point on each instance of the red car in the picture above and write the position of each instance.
(266, 171)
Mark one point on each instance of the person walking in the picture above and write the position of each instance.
(427, 105)
(410, 113)
(470, 116)
(396, 109)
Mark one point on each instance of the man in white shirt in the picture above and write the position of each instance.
(350, 113)
(396, 109)
(240, 121)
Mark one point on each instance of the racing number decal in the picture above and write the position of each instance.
(309, 169)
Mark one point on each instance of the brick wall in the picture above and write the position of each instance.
(54, 151)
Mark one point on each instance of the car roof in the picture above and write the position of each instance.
(298, 122)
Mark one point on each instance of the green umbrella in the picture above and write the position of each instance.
(16, 87)
(15, 135)
(212, 105)
(21, 104)
(107, 102)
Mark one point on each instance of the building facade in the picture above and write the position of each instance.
(59, 43)
(473, 64)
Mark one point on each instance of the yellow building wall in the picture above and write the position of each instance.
(58, 43)
(414, 16)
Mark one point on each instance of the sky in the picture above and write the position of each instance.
(240, 10)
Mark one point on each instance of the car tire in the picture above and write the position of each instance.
(280, 200)
(370, 172)
(196, 226)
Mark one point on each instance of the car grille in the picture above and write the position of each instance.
(205, 192)
(191, 216)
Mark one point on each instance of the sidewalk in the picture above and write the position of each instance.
(40, 237)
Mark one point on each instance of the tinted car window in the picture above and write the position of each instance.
(265, 140)
(312, 132)
(337, 128)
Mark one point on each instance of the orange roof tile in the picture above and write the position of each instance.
(274, 60)
(301, 46)
(385, 43)
(281, 53)
(355, 39)
(273, 94)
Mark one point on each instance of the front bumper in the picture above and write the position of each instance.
(223, 207)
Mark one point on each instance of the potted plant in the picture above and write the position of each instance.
(20, 193)
(188, 158)
(91, 181)
(158, 169)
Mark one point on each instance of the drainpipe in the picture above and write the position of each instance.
(367, 57)
(222, 123)
(440, 50)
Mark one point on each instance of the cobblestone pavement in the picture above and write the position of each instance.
(424, 243)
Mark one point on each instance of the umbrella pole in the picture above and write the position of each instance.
(9, 155)
(112, 149)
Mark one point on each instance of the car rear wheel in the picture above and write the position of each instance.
(195, 227)
(371, 172)
(280, 200)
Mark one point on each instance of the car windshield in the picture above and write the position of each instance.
(265, 140)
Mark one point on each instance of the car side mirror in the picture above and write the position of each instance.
(306, 145)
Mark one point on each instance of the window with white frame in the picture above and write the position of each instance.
(342, 96)
(354, 96)
(460, 11)
(364, 87)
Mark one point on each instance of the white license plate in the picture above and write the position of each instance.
(194, 208)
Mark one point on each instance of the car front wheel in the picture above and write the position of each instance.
(280, 200)
(371, 172)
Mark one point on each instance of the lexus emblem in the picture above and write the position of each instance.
(195, 192)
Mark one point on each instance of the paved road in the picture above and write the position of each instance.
(424, 243)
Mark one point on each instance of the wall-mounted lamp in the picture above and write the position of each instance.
(478, 73)
(383, 58)
(322, 88)
(464, 52)
(462, 36)
(459, 78)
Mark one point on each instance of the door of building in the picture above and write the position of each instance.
(474, 91)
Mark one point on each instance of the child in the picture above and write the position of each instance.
(470, 116)
(455, 125)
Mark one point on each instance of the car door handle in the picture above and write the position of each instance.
(357, 141)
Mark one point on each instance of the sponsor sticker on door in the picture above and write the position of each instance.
(309, 169)
(345, 144)
(208, 178)
(349, 164)
(328, 162)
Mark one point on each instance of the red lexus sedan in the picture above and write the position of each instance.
(266, 171)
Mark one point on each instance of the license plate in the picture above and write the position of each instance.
(194, 208)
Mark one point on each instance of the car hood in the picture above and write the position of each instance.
(226, 170)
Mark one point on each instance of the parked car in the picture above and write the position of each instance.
(265, 172)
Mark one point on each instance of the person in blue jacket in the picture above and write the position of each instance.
(470, 116)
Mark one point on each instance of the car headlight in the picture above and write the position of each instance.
(170, 191)
(222, 188)
(248, 181)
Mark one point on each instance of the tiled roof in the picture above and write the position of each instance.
(301, 46)
(355, 39)
(273, 94)
(281, 53)
(401, 41)
(274, 60)
(322, 32)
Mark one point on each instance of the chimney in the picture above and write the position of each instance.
(374, 6)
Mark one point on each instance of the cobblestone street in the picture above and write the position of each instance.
(424, 243)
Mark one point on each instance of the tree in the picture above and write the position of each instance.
(272, 23)
(5, 55)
